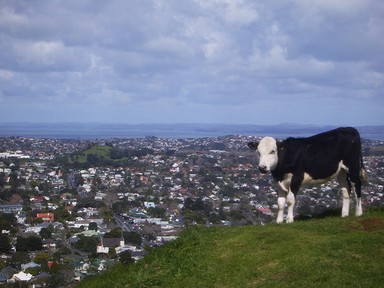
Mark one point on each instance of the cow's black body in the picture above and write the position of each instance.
(319, 156)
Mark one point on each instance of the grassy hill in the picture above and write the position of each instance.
(106, 155)
(102, 152)
(330, 252)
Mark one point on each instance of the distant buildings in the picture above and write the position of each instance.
(223, 184)
(11, 208)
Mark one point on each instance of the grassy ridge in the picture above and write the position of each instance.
(99, 151)
(331, 252)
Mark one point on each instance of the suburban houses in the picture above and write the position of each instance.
(80, 206)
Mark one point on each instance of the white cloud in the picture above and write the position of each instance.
(238, 12)
(6, 75)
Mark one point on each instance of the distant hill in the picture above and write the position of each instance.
(99, 152)
(104, 155)
(329, 252)
(177, 130)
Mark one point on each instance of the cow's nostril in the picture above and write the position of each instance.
(263, 169)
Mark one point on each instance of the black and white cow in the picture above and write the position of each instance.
(313, 160)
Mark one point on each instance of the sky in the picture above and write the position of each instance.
(192, 61)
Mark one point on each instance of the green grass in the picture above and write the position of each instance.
(330, 252)
(99, 151)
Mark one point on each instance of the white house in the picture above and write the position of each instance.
(107, 243)
(21, 276)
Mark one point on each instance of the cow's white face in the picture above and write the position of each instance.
(267, 149)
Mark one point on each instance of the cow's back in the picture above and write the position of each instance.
(321, 154)
(342, 143)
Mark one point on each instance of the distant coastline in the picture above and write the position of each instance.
(105, 130)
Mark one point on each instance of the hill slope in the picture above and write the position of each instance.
(331, 252)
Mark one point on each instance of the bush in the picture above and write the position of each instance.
(126, 258)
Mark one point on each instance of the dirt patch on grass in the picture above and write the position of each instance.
(373, 224)
(369, 225)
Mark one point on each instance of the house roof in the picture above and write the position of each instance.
(29, 265)
(42, 275)
(22, 276)
(8, 271)
(110, 242)
(3, 277)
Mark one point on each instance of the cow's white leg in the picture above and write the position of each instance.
(346, 201)
(359, 208)
(345, 190)
(280, 213)
(282, 190)
(291, 204)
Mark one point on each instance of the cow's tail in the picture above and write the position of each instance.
(363, 176)
(363, 172)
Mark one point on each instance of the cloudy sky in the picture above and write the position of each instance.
(192, 61)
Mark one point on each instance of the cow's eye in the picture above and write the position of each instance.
(272, 152)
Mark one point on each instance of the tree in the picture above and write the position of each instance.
(87, 244)
(125, 258)
(61, 214)
(21, 244)
(35, 243)
(132, 238)
(31, 243)
(112, 253)
(64, 250)
(92, 226)
(14, 180)
(42, 259)
(214, 218)
(6, 194)
(107, 213)
(157, 212)
(3, 182)
(191, 216)
(33, 270)
(89, 202)
(78, 180)
(115, 233)
(5, 245)
(7, 221)
(188, 203)
(19, 258)
(37, 221)
(56, 280)
(46, 233)
(3, 264)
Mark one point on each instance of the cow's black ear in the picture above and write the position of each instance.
(280, 146)
(253, 145)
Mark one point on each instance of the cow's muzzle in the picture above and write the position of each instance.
(263, 169)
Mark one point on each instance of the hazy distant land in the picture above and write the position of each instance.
(105, 130)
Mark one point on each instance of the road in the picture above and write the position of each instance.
(120, 221)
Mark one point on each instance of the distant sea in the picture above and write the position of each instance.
(106, 131)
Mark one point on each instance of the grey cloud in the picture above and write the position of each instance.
(42, 56)
(195, 52)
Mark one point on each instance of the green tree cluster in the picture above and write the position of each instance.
(31, 243)
(87, 244)
(196, 211)
(132, 238)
